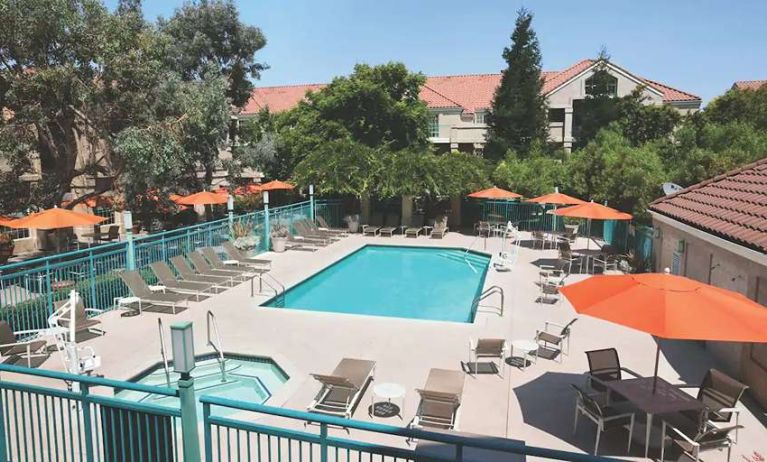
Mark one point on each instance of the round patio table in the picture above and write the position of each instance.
(387, 391)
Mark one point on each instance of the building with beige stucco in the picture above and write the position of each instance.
(716, 232)
(458, 104)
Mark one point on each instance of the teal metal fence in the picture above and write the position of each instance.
(331, 211)
(290, 435)
(30, 289)
(53, 422)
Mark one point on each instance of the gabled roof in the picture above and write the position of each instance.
(469, 93)
(749, 84)
(732, 205)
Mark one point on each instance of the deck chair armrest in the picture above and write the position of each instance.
(630, 372)
(27, 342)
(94, 310)
(28, 331)
(547, 324)
(681, 434)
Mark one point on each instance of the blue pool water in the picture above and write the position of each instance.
(247, 379)
(404, 282)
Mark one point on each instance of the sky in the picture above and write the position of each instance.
(699, 46)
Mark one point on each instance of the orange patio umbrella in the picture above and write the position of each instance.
(556, 198)
(671, 307)
(495, 193)
(55, 218)
(4, 220)
(591, 211)
(202, 198)
(250, 188)
(275, 185)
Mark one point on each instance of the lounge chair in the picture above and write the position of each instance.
(305, 234)
(605, 366)
(10, 347)
(342, 389)
(242, 258)
(168, 279)
(440, 228)
(324, 233)
(299, 243)
(605, 417)
(140, 289)
(495, 348)
(82, 322)
(559, 340)
(188, 274)
(324, 226)
(391, 225)
(202, 266)
(373, 228)
(246, 271)
(440, 400)
(416, 226)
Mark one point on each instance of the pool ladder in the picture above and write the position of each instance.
(163, 352)
(217, 345)
(272, 283)
(466, 254)
(488, 292)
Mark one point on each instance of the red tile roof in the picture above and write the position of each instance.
(466, 92)
(732, 205)
(749, 84)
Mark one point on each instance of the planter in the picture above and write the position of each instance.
(354, 226)
(278, 244)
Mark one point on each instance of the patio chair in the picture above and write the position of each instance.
(720, 393)
(608, 260)
(218, 264)
(559, 340)
(10, 347)
(482, 228)
(440, 227)
(539, 236)
(549, 289)
(391, 225)
(307, 236)
(376, 222)
(202, 266)
(312, 229)
(82, 322)
(571, 233)
(488, 348)
(113, 233)
(605, 417)
(324, 226)
(140, 289)
(440, 400)
(558, 270)
(342, 389)
(695, 436)
(187, 273)
(416, 226)
(605, 366)
(168, 279)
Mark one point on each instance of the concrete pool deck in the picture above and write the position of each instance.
(535, 405)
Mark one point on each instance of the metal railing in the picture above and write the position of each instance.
(331, 211)
(163, 352)
(47, 423)
(29, 289)
(218, 347)
(488, 292)
(249, 439)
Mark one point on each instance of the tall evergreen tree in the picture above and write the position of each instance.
(518, 115)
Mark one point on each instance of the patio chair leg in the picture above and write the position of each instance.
(631, 433)
(662, 440)
(575, 423)
(599, 434)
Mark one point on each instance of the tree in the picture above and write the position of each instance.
(610, 169)
(539, 173)
(745, 106)
(518, 114)
(642, 123)
(209, 32)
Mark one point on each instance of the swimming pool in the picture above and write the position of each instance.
(405, 282)
(248, 378)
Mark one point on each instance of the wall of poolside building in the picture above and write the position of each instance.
(707, 258)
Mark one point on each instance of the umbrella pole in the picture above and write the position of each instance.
(655, 375)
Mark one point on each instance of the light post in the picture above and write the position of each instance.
(267, 229)
(182, 344)
(311, 202)
(230, 211)
(130, 257)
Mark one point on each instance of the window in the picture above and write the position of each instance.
(479, 117)
(602, 84)
(557, 115)
(434, 126)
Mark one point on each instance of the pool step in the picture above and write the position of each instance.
(470, 257)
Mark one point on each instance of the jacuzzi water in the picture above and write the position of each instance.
(247, 379)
